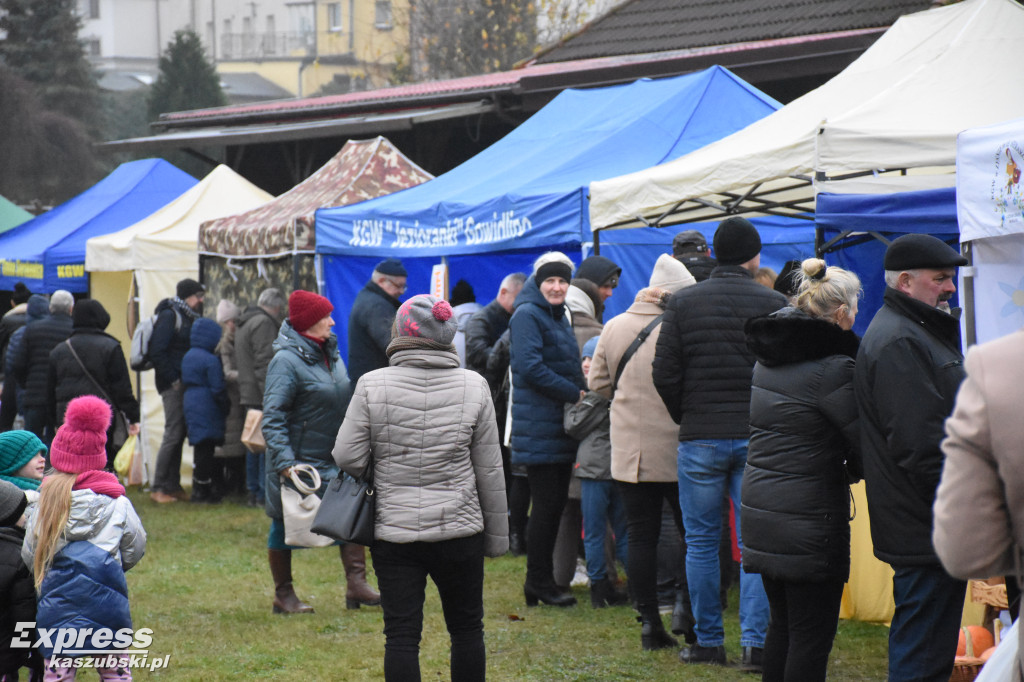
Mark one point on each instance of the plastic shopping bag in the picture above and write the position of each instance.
(123, 460)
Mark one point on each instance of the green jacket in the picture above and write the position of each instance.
(304, 402)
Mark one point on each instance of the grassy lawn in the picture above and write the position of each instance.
(205, 590)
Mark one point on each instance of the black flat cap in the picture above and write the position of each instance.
(912, 251)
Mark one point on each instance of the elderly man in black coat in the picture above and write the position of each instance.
(373, 312)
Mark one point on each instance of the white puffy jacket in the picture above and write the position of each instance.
(437, 466)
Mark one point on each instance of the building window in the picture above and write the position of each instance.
(382, 15)
(90, 9)
(92, 47)
(334, 17)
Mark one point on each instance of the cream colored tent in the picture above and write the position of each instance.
(157, 252)
(899, 106)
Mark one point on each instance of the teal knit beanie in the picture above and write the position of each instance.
(17, 448)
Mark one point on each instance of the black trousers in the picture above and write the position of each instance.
(643, 502)
(549, 490)
(804, 618)
(457, 568)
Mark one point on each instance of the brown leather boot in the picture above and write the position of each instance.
(357, 592)
(285, 600)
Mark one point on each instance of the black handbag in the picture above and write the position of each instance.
(347, 509)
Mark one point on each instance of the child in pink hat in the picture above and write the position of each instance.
(80, 538)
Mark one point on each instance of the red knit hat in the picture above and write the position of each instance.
(80, 443)
(306, 309)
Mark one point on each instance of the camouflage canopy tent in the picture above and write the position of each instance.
(274, 244)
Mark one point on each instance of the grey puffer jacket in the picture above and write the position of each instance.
(305, 399)
(590, 422)
(430, 429)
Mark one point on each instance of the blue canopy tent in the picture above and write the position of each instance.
(635, 250)
(855, 230)
(48, 252)
(527, 193)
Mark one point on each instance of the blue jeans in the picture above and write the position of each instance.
(708, 469)
(926, 624)
(255, 472)
(601, 505)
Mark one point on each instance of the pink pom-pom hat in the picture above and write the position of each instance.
(427, 317)
(80, 443)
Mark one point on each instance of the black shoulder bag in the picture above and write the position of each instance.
(120, 432)
(637, 342)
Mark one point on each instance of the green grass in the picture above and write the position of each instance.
(205, 590)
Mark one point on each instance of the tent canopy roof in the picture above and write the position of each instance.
(167, 238)
(49, 250)
(900, 105)
(362, 170)
(12, 215)
(529, 189)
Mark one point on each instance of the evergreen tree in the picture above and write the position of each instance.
(42, 47)
(47, 156)
(187, 79)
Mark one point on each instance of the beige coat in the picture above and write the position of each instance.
(979, 508)
(644, 437)
(430, 429)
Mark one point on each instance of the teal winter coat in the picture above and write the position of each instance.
(306, 395)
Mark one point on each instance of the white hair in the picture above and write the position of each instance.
(892, 277)
(513, 281)
(271, 298)
(61, 301)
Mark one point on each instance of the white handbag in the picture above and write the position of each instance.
(299, 506)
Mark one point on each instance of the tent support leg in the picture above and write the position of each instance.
(597, 243)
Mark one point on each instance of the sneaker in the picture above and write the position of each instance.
(753, 657)
(714, 655)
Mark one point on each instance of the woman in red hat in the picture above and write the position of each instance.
(304, 401)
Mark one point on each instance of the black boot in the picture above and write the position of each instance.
(516, 544)
(683, 621)
(548, 594)
(601, 593)
(652, 632)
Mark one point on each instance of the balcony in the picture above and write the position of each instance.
(247, 46)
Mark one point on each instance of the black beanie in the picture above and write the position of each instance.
(736, 241)
(21, 293)
(188, 287)
(462, 292)
(89, 313)
(599, 270)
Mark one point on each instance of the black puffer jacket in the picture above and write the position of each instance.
(803, 441)
(17, 599)
(909, 370)
(32, 369)
(482, 333)
(103, 357)
(702, 365)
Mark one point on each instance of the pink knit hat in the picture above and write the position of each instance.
(80, 443)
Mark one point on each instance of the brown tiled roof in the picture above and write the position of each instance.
(646, 26)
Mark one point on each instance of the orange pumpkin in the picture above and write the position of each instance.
(979, 638)
(987, 653)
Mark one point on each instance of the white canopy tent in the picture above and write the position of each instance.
(156, 253)
(888, 122)
(990, 210)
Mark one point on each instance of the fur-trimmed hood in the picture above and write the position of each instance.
(790, 335)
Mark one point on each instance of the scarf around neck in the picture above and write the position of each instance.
(21, 482)
(400, 343)
(100, 482)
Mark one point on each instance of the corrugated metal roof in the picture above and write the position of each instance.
(645, 26)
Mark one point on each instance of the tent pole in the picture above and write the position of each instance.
(597, 243)
(970, 332)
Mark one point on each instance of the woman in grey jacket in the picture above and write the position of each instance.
(427, 427)
(304, 401)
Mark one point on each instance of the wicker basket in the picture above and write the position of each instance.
(983, 591)
(965, 669)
